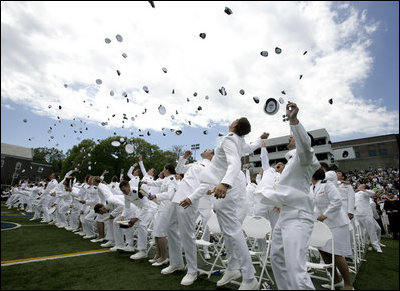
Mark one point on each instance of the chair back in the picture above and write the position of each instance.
(256, 226)
(320, 234)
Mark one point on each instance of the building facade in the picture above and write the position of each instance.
(17, 164)
(277, 148)
(372, 152)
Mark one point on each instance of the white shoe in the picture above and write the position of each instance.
(156, 264)
(76, 230)
(379, 251)
(115, 248)
(337, 285)
(170, 269)
(89, 236)
(81, 233)
(107, 244)
(382, 245)
(152, 261)
(139, 255)
(61, 225)
(52, 222)
(128, 249)
(69, 228)
(249, 286)
(32, 219)
(188, 279)
(229, 276)
(207, 256)
(96, 240)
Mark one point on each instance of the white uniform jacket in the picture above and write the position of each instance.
(225, 165)
(348, 197)
(293, 188)
(191, 179)
(328, 202)
(362, 205)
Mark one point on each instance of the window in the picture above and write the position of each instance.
(323, 156)
(40, 170)
(2, 163)
(282, 147)
(383, 152)
(257, 152)
(372, 153)
(18, 166)
(357, 155)
(271, 149)
(257, 164)
(320, 141)
(345, 154)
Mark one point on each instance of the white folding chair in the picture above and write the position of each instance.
(255, 228)
(320, 235)
(360, 238)
(353, 266)
(217, 247)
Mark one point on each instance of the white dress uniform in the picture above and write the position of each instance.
(225, 168)
(348, 197)
(164, 197)
(89, 222)
(182, 222)
(292, 232)
(365, 216)
(328, 202)
(269, 178)
(46, 200)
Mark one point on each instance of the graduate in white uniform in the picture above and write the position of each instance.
(46, 198)
(365, 216)
(270, 177)
(347, 194)
(224, 178)
(328, 209)
(182, 222)
(292, 232)
(164, 197)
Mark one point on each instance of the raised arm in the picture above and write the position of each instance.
(142, 168)
(303, 142)
(131, 171)
(264, 157)
(181, 167)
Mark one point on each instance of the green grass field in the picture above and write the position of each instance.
(106, 271)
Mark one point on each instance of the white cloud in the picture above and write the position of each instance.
(47, 44)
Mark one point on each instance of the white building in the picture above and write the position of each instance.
(277, 148)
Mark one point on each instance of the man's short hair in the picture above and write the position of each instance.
(123, 183)
(114, 179)
(319, 174)
(97, 207)
(170, 169)
(243, 126)
(96, 179)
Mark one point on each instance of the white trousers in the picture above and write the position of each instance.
(369, 225)
(180, 234)
(89, 225)
(290, 241)
(231, 227)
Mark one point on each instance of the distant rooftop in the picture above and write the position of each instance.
(16, 151)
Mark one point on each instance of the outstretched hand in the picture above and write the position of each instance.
(264, 135)
(291, 111)
(187, 154)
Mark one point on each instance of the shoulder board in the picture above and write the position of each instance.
(171, 178)
(230, 134)
(323, 181)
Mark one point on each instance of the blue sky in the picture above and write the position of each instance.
(370, 86)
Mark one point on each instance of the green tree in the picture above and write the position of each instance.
(93, 158)
(51, 156)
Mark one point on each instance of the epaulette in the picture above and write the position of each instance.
(324, 181)
(171, 178)
(230, 134)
